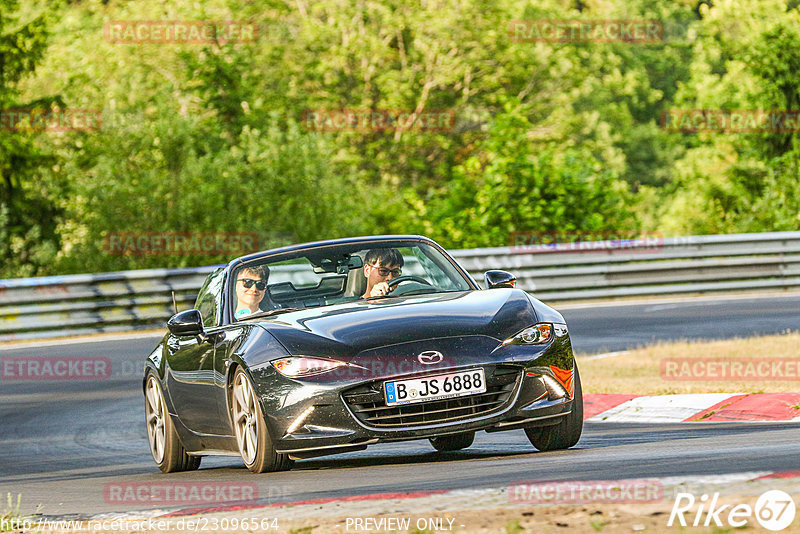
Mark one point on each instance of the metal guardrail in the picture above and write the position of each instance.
(126, 300)
(676, 265)
(91, 303)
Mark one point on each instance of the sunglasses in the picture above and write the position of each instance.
(383, 271)
(248, 283)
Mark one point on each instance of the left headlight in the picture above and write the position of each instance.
(538, 334)
(297, 366)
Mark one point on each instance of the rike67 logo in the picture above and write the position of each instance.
(774, 510)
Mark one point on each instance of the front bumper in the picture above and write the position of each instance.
(525, 388)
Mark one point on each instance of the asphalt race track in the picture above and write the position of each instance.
(63, 442)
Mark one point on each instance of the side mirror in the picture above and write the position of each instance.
(186, 323)
(496, 278)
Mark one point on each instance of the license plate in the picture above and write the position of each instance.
(437, 387)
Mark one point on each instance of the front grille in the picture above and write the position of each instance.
(368, 403)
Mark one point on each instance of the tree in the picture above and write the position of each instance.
(27, 211)
(513, 183)
(747, 57)
(175, 173)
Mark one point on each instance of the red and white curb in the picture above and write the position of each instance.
(705, 407)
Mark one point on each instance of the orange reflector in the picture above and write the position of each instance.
(564, 376)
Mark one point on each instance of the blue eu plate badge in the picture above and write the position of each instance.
(390, 393)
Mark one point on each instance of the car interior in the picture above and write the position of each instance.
(345, 282)
(322, 280)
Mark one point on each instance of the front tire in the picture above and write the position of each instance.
(453, 442)
(568, 431)
(255, 445)
(165, 446)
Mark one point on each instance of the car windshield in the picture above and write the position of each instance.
(335, 275)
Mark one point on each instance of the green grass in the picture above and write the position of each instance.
(639, 371)
(11, 514)
(513, 527)
(598, 525)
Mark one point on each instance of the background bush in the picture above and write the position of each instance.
(210, 138)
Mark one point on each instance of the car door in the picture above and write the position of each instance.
(189, 381)
(192, 380)
(228, 340)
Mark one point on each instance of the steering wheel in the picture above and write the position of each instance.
(408, 278)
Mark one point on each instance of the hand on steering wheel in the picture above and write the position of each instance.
(407, 278)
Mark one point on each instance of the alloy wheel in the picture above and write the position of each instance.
(155, 419)
(245, 418)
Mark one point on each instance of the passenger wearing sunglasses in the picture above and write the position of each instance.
(251, 287)
(381, 266)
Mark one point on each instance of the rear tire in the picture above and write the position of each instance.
(454, 442)
(568, 431)
(165, 446)
(255, 445)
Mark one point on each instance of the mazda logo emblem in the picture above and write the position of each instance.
(429, 357)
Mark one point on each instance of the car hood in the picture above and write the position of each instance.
(348, 329)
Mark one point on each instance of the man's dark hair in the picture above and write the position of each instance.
(387, 256)
(260, 270)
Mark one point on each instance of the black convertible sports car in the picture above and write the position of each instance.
(332, 346)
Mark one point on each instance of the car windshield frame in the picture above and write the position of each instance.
(348, 245)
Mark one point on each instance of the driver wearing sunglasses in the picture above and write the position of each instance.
(381, 266)
(251, 287)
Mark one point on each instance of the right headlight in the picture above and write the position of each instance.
(538, 334)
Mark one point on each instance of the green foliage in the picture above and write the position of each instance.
(182, 176)
(27, 231)
(748, 57)
(547, 136)
(511, 183)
